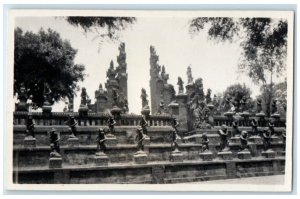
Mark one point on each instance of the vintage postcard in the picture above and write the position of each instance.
(150, 100)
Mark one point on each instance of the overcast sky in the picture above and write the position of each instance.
(215, 63)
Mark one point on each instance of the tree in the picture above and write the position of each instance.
(105, 27)
(236, 93)
(45, 59)
(263, 40)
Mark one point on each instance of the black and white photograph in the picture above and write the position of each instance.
(150, 100)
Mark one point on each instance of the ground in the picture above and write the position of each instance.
(264, 180)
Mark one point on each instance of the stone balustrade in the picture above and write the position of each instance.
(92, 119)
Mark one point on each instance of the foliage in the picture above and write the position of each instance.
(104, 26)
(236, 92)
(44, 58)
(264, 42)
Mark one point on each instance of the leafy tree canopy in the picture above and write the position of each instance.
(44, 58)
(104, 26)
(264, 42)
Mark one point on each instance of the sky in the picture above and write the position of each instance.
(215, 63)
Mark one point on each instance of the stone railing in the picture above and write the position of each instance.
(246, 121)
(92, 119)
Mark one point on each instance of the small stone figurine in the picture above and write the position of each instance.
(111, 124)
(271, 127)
(54, 143)
(259, 106)
(180, 85)
(174, 136)
(254, 127)
(140, 137)
(267, 134)
(235, 129)
(30, 127)
(71, 122)
(144, 124)
(101, 138)
(223, 133)
(244, 140)
(161, 107)
(205, 142)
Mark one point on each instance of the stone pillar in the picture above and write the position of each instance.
(183, 113)
(174, 109)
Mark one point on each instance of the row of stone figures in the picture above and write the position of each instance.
(266, 136)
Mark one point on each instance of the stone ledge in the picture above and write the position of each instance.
(149, 164)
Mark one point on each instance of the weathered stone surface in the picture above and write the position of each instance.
(275, 139)
(225, 155)
(245, 154)
(255, 139)
(73, 142)
(206, 156)
(111, 141)
(176, 156)
(55, 162)
(29, 142)
(268, 154)
(101, 159)
(140, 157)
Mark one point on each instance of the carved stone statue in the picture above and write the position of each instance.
(223, 133)
(47, 94)
(84, 97)
(259, 106)
(243, 104)
(208, 97)
(254, 126)
(145, 102)
(30, 127)
(54, 143)
(174, 136)
(161, 109)
(244, 140)
(115, 96)
(111, 124)
(180, 85)
(189, 75)
(271, 127)
(164, 76)
(274, 106)
(205, 142)
(267, 134)
(71, 122)
(235, 128)
(140, 137)
(101, 139)
(144, 124)
(125, 108)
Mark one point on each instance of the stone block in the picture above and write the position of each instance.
(255, 139)
(176, 156)
(235, 140)
(146, 141)
(29, 142)
(140, 157)
(206, 156)
(244, 155)
(275, 139)
(111, 141)
(101, 159)
(225, 155)
(55, 162)
(268, 154)
(73, 142)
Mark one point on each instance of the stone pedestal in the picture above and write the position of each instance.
(55, 162)
(225, 155)
(111, 140)
(275, 139)
(229, 114)
(115, 111)
(29, 142)
(101, 159)
(146, 141)
(206, 156)
(235, 140)
(260, 115)
(281, 153)
(176, 156)
(275, 115)
(83, 111)
(146, 111)
(73, 142)
(244, 154)
(255, 139)
(140, 157)
(47, 108)
(268, 154)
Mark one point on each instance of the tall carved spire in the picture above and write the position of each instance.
(189, 75)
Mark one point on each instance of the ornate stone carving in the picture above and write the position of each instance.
(54, 143)
(180, 85)
(223, 133)
(144, 96)
(189, 75)
(101, 139)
